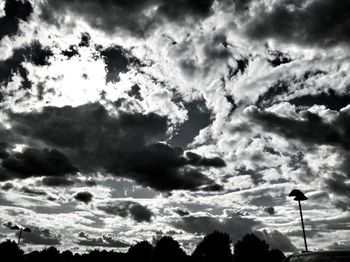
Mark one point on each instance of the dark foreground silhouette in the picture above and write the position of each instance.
(215, 247)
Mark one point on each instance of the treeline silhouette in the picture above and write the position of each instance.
(215, 247)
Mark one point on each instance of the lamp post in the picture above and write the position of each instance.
(21, 229)
(299, 196)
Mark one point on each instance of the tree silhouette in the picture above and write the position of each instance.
(67, 256)
(214, 247)
(142, 251)
(168, 249)
(9, 251)
(276, 255)
(50, 254)
(252, 249)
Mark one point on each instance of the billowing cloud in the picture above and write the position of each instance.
(41, 236)
(106, 240)
(136, 211)
(7, 186)
(277, 240)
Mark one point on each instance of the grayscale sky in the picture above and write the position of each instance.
(122, 121)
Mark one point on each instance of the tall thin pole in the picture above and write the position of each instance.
(19, 237)
(302, 224)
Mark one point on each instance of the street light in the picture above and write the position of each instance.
(299, 196)
(21, 229)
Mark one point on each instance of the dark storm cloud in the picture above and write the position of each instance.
(7, 186)
(85, 197)
(268, 98)
(41, 236)
(71, 51)
(137, 17)
(85, 39)
(14, 12)
(136, 211)
(197, 160)
(233, 104)
(270, 210)
(281, 91)
(181, 212)
(135, 92)
(236, 226)
(126, 145)
(106, 240)
(240, 67)
(330, 99)
(34, 53)
(199, 117)
(321, 22)
(57, 181)
(277, 58)
(312, 129)
(118, 60)
(36, 162)
(271, 151)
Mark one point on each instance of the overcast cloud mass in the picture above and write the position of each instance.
(124, 120)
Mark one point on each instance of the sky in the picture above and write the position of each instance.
(123, 121)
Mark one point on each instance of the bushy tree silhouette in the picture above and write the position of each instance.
(142, 251)
(9, 251)
(214, 247)
(50, 254)
(67, 256)
(169, 250)
(276, 255)
(253, 249)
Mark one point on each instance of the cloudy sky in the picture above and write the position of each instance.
(122, 121)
